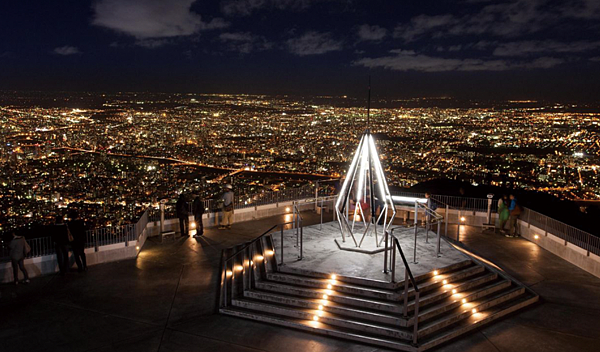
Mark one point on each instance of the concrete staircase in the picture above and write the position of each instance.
(452, 300)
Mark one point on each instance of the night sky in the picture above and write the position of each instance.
(531, 49)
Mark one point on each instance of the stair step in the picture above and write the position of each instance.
(324, 317)
(342, 298)
(470, 295)
(320, 328)
(438, 280)
(339, 286)
(464, 311)
(477, 320)
(369, 282)
(329, 306)
(446, 291)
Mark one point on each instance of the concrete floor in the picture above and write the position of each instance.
(164, 301)
(322, 254)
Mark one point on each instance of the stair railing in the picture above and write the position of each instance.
(408, 276)
(248, 251)
(431, 217)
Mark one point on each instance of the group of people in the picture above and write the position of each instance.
(508, 211)
(197, 209)
(63, 234)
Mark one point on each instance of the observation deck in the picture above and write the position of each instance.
(164, 298)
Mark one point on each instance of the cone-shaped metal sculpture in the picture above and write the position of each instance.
(364, 205)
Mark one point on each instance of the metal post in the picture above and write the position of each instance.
(458, 229)
(393, 262)
(446, 219)
(416, 319)
(321, 225)
(316, 194)
(162, 217)
(438, 239)
(416, 230)
(528, 218)
(405, 308)
(385, 253)
(301, 241)
(545, 227)
(281, 245)
(489, 211)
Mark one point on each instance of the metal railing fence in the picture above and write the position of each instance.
(94, 238)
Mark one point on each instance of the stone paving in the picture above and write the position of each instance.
(165, 301)
(322, 254)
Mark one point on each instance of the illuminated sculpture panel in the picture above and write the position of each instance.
(364, 205)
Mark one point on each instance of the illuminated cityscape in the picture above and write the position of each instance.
(113, 159)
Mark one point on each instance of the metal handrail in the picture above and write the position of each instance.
(408, 276)
(251, 242)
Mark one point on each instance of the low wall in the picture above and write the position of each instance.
(555, 245)
(565, 250)
(239, 215)
(47, 264)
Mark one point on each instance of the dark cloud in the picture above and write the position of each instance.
(151, 19)
(371, 33)
(423, 24)
(313, 43)
(247, 7)
(408, 60)
(526, 48)
(66, 50)
(506, 19)
(245, 42)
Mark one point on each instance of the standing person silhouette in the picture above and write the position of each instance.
(198, 211)
(77, 228)
(227, 219)
(181, 207)
(60, 237)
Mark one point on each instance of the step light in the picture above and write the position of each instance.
(325, 296)
(453, 291)
(269, 252)
(474, 310)
(333, 276)
(259, 258)
(329, 287)
(320, 307)
(315, 318)
(536, 236)
(445, 282)
(464, 301)
(229, 273)
(435, 272)
(239, 268)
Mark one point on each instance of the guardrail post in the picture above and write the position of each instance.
(416, 231)
(546, 228)
(301, 241)
(393, 262)
(405, 307)
(446, 219)
(416, 319)
(281, 245)
(321, 224)
(438, 239)
(528, 218)
(385, 253)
